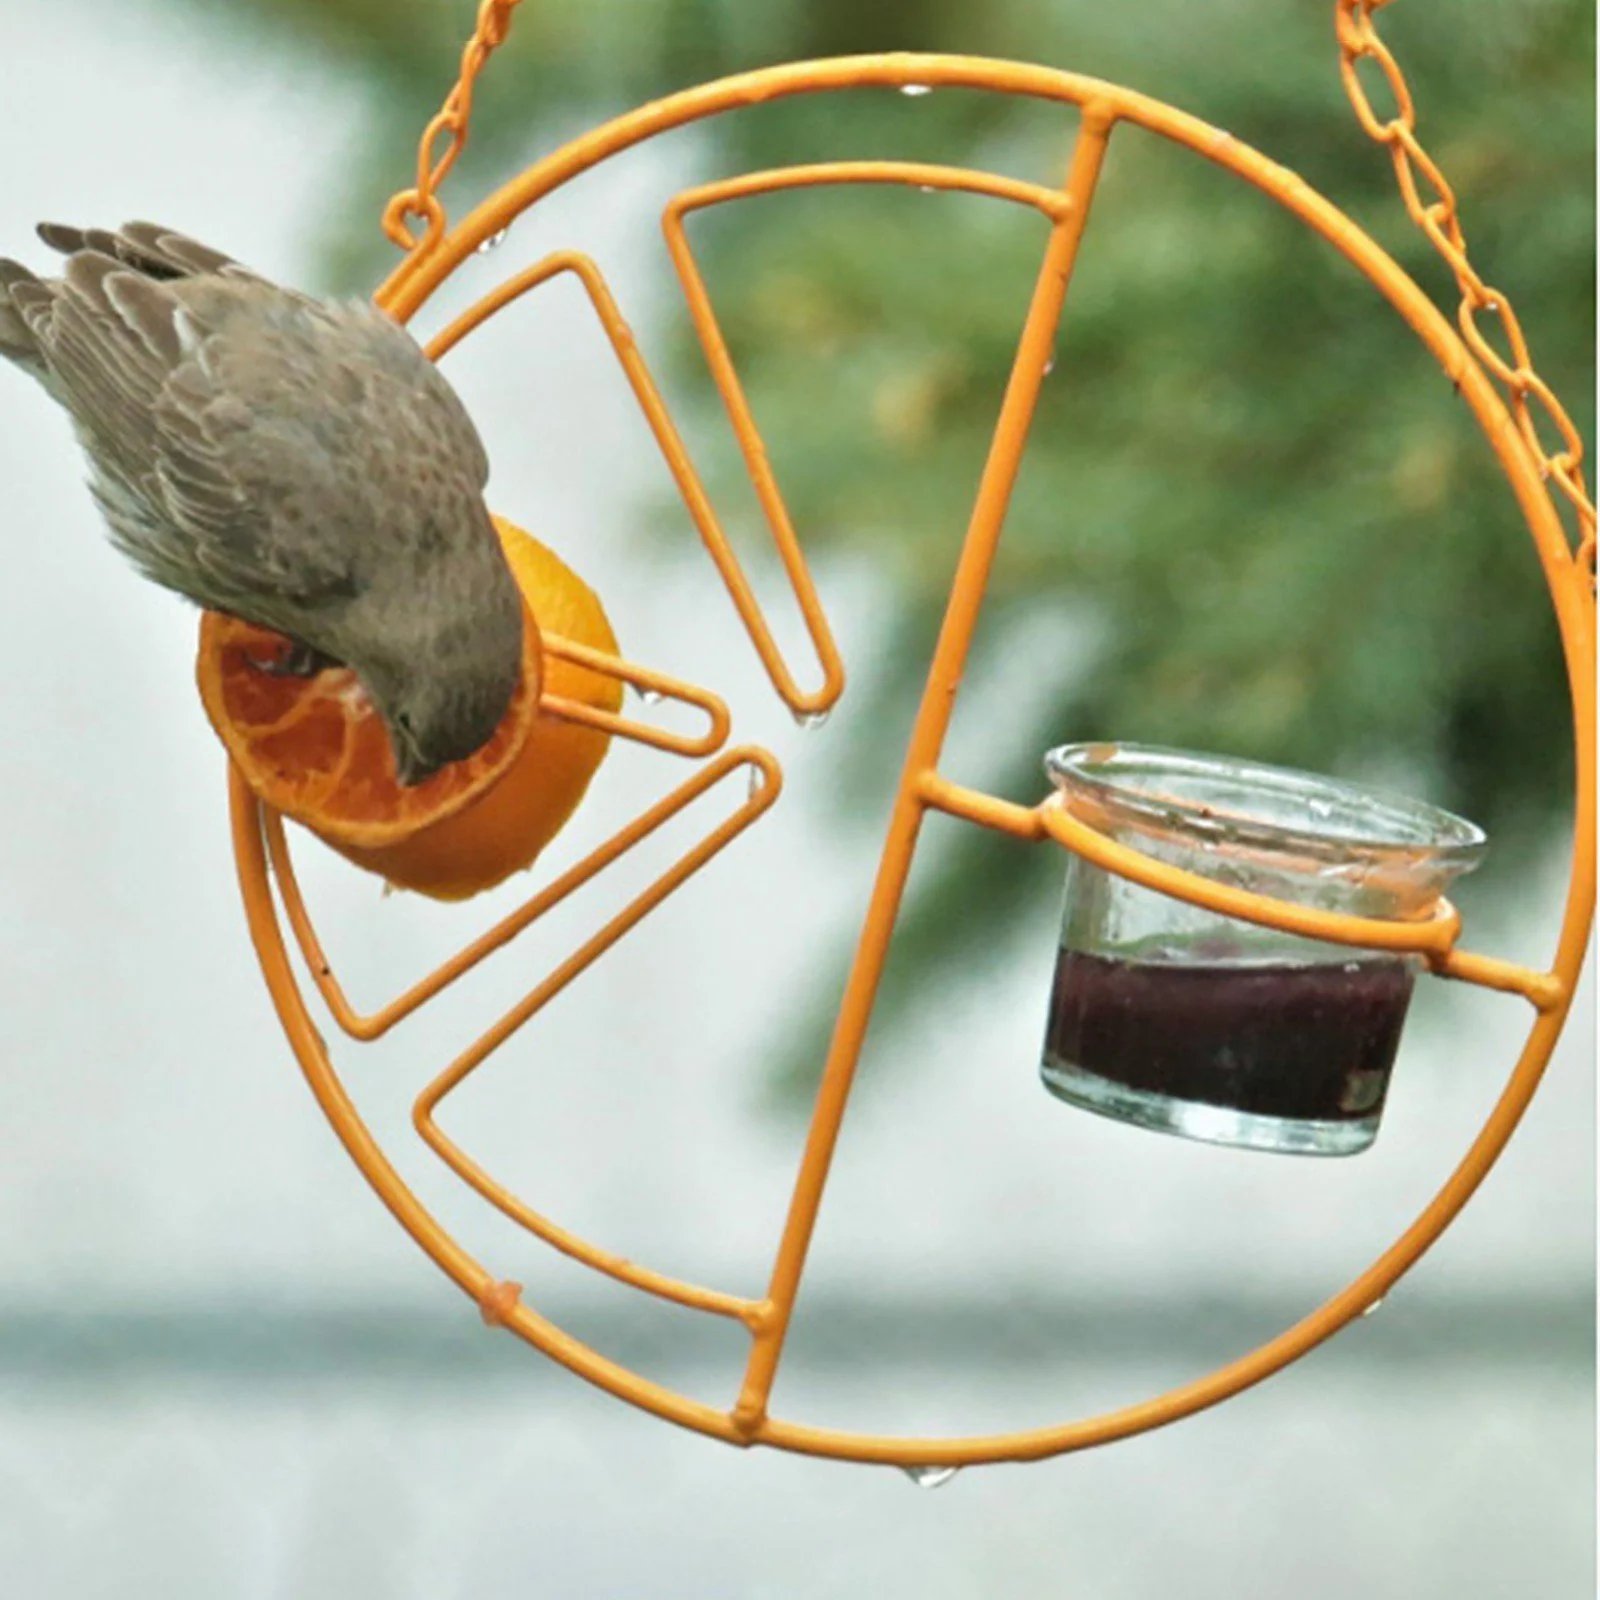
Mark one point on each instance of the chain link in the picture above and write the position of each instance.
(445, 137)
(1432, 205)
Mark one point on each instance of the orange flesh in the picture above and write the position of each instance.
(317, 750)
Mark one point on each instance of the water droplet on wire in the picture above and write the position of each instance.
(1049, 367)
(651, 697)
(493, 242)
(810, 721)
(915, 89)
(1373, 1307)
(754, 782)
(927, 188)
(930, 1477)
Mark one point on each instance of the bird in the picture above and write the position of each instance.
(294, 462)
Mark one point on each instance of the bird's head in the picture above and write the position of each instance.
(443, 703)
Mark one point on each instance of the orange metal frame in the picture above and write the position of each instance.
(259, 836)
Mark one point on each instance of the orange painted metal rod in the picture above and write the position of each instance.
(752, 447)
(821, 174)
(1034, 355)
(644, 678)
(765, 790)
(676, 455)
(1432, 936)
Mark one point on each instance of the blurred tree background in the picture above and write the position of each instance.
(1292, 542)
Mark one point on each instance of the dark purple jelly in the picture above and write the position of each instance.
(1309, 1042)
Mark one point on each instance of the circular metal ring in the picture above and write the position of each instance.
(1571, 597)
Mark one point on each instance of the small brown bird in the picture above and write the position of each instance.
(297, 463)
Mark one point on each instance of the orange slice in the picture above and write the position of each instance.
(316, 750)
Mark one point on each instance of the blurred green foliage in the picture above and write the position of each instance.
(1295, 545)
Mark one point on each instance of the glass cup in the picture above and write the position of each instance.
(1174, 1017)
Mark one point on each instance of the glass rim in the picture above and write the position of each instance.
(1399, 824)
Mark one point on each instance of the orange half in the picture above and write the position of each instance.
(316, 750)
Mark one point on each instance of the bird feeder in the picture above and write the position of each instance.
(1174, 847)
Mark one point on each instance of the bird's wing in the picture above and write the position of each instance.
(258, 450)
(253, 456)
(133, 357)
(422, 407)
(328, 418)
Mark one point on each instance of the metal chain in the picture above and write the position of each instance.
(420, 203)
(1433, 208)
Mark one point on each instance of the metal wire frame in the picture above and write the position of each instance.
(1102, 106)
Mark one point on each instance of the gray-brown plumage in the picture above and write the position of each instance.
(297, 463)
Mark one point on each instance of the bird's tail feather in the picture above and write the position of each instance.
(17, 342)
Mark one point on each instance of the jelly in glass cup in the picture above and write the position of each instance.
(1174, 1017)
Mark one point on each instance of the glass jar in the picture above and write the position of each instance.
(1173, 1017)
